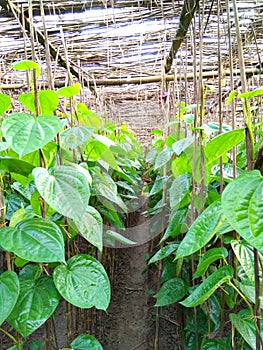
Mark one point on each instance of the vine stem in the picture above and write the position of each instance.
(9, 335)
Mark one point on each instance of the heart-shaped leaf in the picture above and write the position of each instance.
(242, 203)
(33, 239)
(25, 133)
(83, 282)
(90, 227)
(64, 188)
(69, 91)
(171, 291)
(5, 102)
(243, 322)
(26, 65)
(86, 342)
(74, 137)
(47, 99)
(9, 291)
(37, 301)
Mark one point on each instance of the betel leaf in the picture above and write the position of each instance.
(171, 291)
(5, 102)
(25, 133)
(162, 158)
(34, 239)
(181, 145)
(175, 223)
(9, 291)
(208, 286)
(83, 282)
(164, 252)
(86, 342)
(253, 93)
(240, 207)
(87, 117)
(26, 65)
(208, 258)
(110, 237)
(245, 255)
(69, 91)
(18, 166)
(231, 96)
(104, 191)
(76, 136)
(243, 322)
(213, 344)
(179, 189)
(64, 188)
(90, 227)
(202, 230)
(223, 143)
(47, 101)
(37, 301)
(255, 210)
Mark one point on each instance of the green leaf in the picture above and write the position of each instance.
(83, 282)
(208, 258)
(37, 301)
(255, 210)
(223, 143)
(181, 145)
(64, 188)
(87, 117)
(36, 204)
(171, 291)
(179, 189)
(5, 102)
(164, 252)
(208, 286)
(104, 191)
(9, 291)
(36, 240)
(30, 272)
(253, 93)
(213, 344)
(24, 133)
(243, 322)
(86, 342)
(13, 165)
(231, 96)
(90, 227)
(163, 157)
(245, 255)
(175, 223)
(202, 230)
(69, 91)
(26, 65)
(47, 101)
(110, 237)
(76, 136)
(240, 207)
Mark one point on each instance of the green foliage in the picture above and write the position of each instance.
(62, 178)
(83, 282)
(77, 176)
(9, 292)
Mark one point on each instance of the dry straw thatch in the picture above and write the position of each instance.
(118, 49)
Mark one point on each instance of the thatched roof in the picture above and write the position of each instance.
(111, 44)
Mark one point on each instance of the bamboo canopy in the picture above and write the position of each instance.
(126, 53)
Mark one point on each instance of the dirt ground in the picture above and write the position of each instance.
(130, 322)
